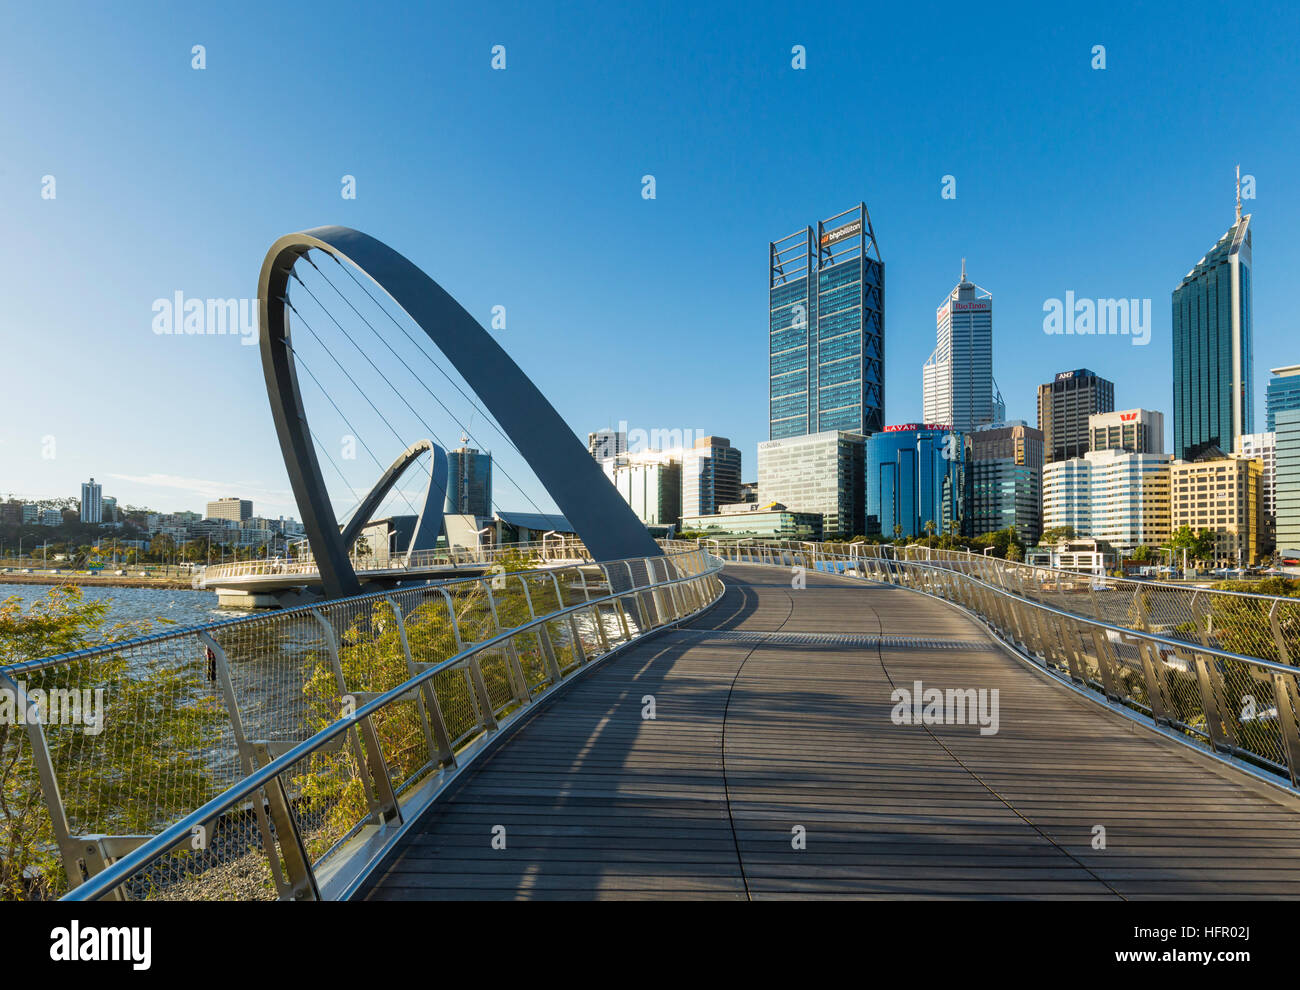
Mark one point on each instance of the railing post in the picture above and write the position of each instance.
(435, 728)
(1284, 693)
(370, 755)
(301, 880)
(48, 780)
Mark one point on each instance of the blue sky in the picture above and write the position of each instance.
(522, 188)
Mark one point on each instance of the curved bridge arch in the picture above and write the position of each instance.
(429, 523)
(602, 519)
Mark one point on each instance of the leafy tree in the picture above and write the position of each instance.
(1056, 534)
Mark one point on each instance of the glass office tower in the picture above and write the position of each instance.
(1065, 406)
(826, 332)
(469, 482)
(916, 474)
(1213, 400)
(1283, 393)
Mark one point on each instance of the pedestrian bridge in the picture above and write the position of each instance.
(749, 722)
(285, 582)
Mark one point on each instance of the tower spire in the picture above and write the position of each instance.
(1238, 194)
(963, 269)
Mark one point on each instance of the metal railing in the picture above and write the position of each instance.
(1161, 651)
(568, 549)
(278, 756)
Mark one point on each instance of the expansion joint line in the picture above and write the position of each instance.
(989, 787)
(726, 785)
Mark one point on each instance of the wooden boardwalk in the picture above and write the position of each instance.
(773, 712)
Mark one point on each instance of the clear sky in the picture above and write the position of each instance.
(522, 188)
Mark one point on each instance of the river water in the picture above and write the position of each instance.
(165, 608)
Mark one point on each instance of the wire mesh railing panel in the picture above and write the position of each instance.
(273, 660)
(327, 796)
(564, 643)
(137, 734)
(473, 610)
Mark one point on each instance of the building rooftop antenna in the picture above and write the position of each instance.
(1238, 194)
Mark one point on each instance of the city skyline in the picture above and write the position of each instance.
(734, 190)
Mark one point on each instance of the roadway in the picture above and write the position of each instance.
(773, 712)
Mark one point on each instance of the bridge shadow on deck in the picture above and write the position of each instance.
(758, 734)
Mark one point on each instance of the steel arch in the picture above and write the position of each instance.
(605, 522)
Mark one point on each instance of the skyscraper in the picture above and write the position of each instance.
(469, 482)
(1213, 399)
(1283, 392)
(1064, 405)
(826, 332)
(92, 503)
(957, 381)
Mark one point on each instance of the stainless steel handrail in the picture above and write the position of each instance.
(136, 861)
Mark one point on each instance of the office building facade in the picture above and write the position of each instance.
(818, 472)
(92, 502)
(1006, 479)
(607, 443)
(1139, 431)
(1213, 397)
(651, 483)
(1064, 407)
(1263, 448)
(751, 521)
(1222, 494)
(710, 476)
(469, 482)
(1283, 393)
(1115, 496)
(234, 509)
(917, 484)
(826, 329)
(1287, 486)
(957, 380)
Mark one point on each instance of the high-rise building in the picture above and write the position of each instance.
(1222, 494)
(1283, 392)
(1139, 431)
(1288, 483)
(710, 476)
(234, 509)
(92, 502)
(109, 504)
(1006, 472)
(817, 472)
(469, 482)
(1213, 397)
(607, 443)
(1111, 495)
(917, 484)
(1064, 405)
(957, 380)
(826, 331)
(650, 481)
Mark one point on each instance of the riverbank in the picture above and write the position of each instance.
(90, 580)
